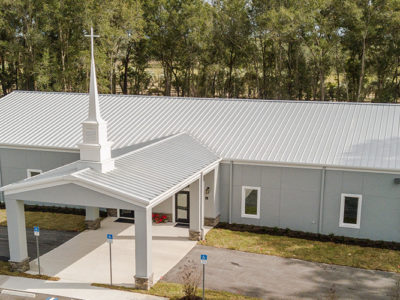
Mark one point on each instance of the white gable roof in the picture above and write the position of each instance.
(142, 177)
(289, 132)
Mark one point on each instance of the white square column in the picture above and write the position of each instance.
(92, 218)
(143, 249)
(19, 259)
(196, 220)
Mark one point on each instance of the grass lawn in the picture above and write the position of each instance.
(49, 220)
(174, 291)
(324, 252)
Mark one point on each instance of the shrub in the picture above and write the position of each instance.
(190, 280)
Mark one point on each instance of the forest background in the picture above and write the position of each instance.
(329, 50)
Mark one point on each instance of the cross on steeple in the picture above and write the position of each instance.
(94, 110)
(91, 35)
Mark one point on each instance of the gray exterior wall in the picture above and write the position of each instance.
(290, 198)
(14, 163)
(380, 210)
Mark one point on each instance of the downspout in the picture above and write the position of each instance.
(230, 192)
(1, 184)
(321, 199)
(201, 196)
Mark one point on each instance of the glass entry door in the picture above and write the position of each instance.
(125, 213)
(182, 207)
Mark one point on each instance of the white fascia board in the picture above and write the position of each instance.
(21, 188)
(39, 148)
(210, 167)
(173, 190)
(309, 166)
(67, 179)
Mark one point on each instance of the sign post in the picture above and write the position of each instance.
(203, 259)
(110, 240)
(36, 232)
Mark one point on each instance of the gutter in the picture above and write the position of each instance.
(321, 200)
(39, 148)
(1, 184)
(309, 166)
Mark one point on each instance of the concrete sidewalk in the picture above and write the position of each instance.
(272, 277)
(85, 258)
(68, 289)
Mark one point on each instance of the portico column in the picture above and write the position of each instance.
(196, 210)
(143, 257)
(92, 218)
(19, 259)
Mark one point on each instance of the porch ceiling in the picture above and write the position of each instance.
(142, 177)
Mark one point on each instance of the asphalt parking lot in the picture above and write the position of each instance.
(272, 277)
(48, 240)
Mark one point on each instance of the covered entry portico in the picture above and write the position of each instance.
(141, 180)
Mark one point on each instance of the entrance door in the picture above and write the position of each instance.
(125, 213)
(182, 207)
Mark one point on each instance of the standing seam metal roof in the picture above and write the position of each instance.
(143, 174)
(291, 132)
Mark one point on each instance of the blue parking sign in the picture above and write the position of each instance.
(36, 230)
(203, 258)
(109, 238)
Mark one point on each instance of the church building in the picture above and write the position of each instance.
(319, 167)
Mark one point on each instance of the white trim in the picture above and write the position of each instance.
(173, 190)
(309, 166)
(173, 208)
(65, 179)
(342, 203)
(28, 172)
(243, 214)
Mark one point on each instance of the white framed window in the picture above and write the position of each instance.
(251, 202)
(33, 172)
(350, 210)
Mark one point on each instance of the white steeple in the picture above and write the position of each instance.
(95, 148)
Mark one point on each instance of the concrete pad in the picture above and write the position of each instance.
(85, 258)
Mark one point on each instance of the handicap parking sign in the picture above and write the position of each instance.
(36, 230)
(203, 258)
(109, 238)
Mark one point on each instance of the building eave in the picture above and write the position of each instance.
(38, 148)
(310, 166)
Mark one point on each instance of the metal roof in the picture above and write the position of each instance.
(289, 132)
(143, 175)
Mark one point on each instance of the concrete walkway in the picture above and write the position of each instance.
(68, 289)
(85, 258)
(272, 277)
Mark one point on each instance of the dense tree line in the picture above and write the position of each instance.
(344, 50)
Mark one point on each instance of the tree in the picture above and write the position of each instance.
(319, 32)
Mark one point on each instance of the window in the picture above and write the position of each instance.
(250, 202)
(350, 211)
(33, 172)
